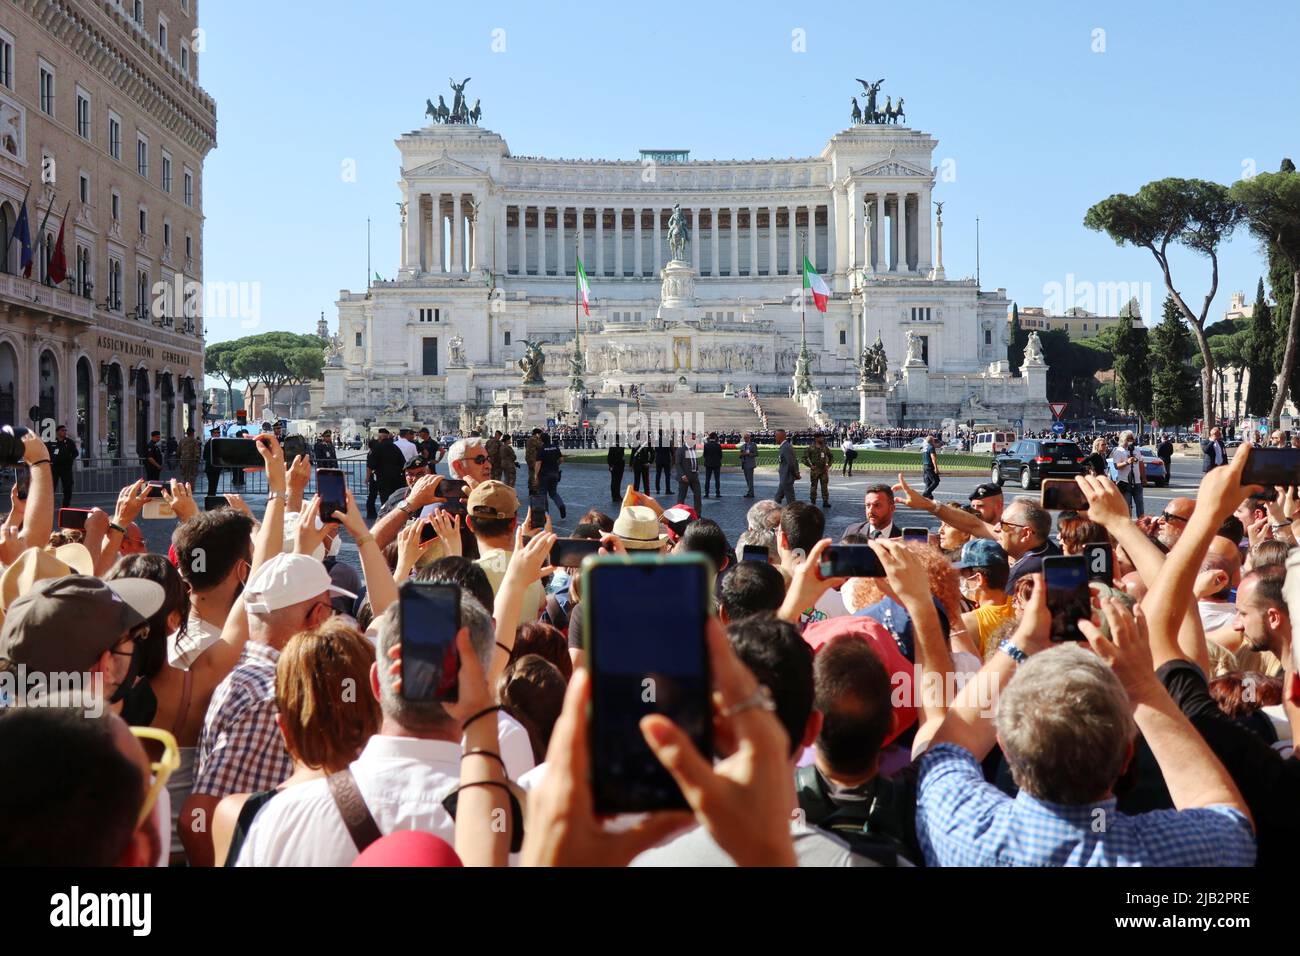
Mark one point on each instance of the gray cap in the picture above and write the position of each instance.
(66, 624)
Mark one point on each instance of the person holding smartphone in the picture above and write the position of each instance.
(1129, 471)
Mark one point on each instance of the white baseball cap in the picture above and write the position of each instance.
(288, 579)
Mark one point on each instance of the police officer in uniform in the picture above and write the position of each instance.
(819, 460)
(532, 451)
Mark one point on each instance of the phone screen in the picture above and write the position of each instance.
(653, 661)
(1063, 494)
(22, 480)
(73, 518)
(569, 552)
(537, 518)
(235, 453)
(213, 502)
(1068, 597)
(430, 615)
(155, 489)
(1272, 466)
(331, 485)
(1101, 562)
(755, 552)
(453, 488)
(916, 534)
(851, 561)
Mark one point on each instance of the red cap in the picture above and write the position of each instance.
(408, 848)
(901, 670)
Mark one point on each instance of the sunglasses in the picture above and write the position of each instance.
(477, 459)
(162, 768)
(1167, 516)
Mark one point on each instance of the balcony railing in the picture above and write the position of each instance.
(33, 294)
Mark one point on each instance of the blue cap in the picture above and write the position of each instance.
(982, 553)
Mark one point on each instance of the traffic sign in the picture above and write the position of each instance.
(1057, 408)
(1058, 428)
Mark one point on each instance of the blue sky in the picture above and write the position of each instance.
(1038, 124)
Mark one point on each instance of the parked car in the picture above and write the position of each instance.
(1155, 467)
(992, 443)
(1030, 460)
(915, 443)
(871, 444)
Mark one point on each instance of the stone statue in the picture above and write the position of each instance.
(1034, 350)
(457, 349)
(897, 114)
(679, 234)
(869, 115)
(914, 349)
(477, 111)
(533, 363)
(938, 209)
(856, 115)
(458, 111)
(874, 365)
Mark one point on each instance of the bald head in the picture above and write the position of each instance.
(1224, 556)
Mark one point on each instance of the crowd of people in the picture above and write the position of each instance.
(238, 700)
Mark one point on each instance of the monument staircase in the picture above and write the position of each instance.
(700, 412)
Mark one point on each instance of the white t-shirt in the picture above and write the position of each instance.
(1126, 465)
(408, 448)
(199, 636)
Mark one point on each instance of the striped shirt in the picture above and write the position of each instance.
(962, 820)
(240, 748)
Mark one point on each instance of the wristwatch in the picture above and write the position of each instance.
(1013, 652)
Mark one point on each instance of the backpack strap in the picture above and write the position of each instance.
(352, 807)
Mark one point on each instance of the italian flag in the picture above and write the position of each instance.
(584, 287)
(811, 280)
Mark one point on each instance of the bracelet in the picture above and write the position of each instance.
(43, 461)
(1278, 526)
(1013, 652)
(481, 752)
(274, 496)
(114, 526)
(508, 650)
(482, 713)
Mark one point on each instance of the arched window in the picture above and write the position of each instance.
(48, 387)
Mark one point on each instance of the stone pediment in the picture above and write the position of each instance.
(893, 168)
(444, 167)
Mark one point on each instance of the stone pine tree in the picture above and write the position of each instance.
(1133, 364)
(1016, 341)
(1174, 396)
(1260, 360)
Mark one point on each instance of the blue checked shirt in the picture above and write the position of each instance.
(241, 749)
(962, 820)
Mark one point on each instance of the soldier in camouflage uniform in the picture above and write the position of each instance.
(509, 463)
(493, 448)
(819, 460)
(532, 452)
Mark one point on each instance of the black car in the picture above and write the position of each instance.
(1030, 460)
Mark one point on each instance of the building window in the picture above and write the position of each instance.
(49, 170)
(115, 206)
(83, 114)
(142, 156)
(115, 284)
(507, 334)
(47, 89)
(139, 11)
(85, 190)
(185, 58)
(6, 61)
(166, 172)
(988, 336)
(144, 221)
(167, 235)
(358, 340)
(189, 249)
(844, 337)
(141, 293)
(920, 313)
(115, 136)
(83, 271)
(430, 315)
(162, 33)
(430, 365)
(189, 188)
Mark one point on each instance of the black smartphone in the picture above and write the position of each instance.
(430, 616)
(213, 502)
(917, 534)
(1101, 562)
(655, 661)
(73, 518)
(332, 486)
(235, 453)
(22, 480)
(451, 488)
(1068, 597)
(294, 446)
(537, 518)
(1063, 494)
(1272, 466)
(154, 489)
(569, 552)
(755, 552)
(850, 561)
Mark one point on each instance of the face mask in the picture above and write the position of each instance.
(968, 588)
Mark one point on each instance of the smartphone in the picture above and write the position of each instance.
(430, 618)
(1068, 597)
(153, 510)
(22, 480)
(537, 518)
(917, 534)
(755, 552)
(154, 489)
(332, 486)
(73, 518)
(213, 502)
(655, 661)
(453, 488)
(1272, 466)
(850, 561)
(235, 453)
(569, 552)
(1063, 494)
(1101, 562)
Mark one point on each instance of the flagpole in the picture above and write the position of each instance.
(368, 272)
(10, 238)
(40, 233)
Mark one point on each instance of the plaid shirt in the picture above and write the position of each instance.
(963, 821)
(240, 749)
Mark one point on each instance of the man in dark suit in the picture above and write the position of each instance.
(1212, 451)
(688, 471)
(713, 465)
(1165, 452)
(787, 472)
(878, 503)
(617, 462)
(664, 455)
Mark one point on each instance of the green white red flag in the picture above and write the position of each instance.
(811, 280)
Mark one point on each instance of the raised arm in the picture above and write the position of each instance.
(381, 589)
(528, 563)
(38, 516)
(954, 517)
(423, 492)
